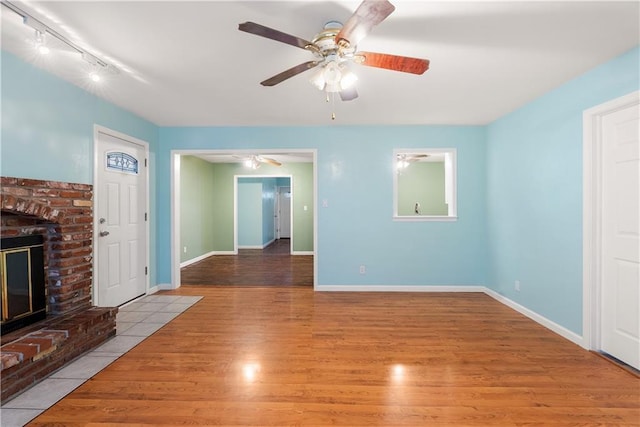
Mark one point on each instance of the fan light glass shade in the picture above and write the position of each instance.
(349, 78)
(317, 79)
(332, 73)
(333, 77)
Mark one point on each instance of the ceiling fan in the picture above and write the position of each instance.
(336, 46)
(254, 161)
(403, 160)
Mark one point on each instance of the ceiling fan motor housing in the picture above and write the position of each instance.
(325, 42)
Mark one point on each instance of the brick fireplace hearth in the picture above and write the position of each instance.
(63, 214)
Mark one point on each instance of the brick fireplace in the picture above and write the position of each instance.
(62, 213)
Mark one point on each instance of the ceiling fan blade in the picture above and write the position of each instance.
(405, 64)
(293, 71)
(269, 160)
(270, 33)
(348, 94)
(369, 14)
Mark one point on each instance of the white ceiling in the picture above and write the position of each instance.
(187, 64)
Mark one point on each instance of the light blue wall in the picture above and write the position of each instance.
(47, 124)
(534, 192)
(519, 184)
(47, 129)
(268, 210)
(249, 212)
(355, 176)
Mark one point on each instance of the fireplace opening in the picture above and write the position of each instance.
(24, 299)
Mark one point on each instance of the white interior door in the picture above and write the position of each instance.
(284, 213)
(620, 281)
(121, 241)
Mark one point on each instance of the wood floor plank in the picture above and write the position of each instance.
(273, 265)
(291, 356)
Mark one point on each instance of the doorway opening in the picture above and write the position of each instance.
(262, 211)
(206, 214)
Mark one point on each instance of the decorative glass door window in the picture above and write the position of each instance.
(122, 162)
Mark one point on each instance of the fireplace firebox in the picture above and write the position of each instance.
(24, 299)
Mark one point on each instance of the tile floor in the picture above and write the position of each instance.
(134, 322)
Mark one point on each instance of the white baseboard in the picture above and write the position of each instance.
(302, 253)
(554, 327)
(268, 243)
(387, 288)
(549, 324)
(165, 287)
(560, 330)
(152, 290)
(196, 259)
(264, 245)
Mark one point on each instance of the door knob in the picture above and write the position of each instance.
(104, 233)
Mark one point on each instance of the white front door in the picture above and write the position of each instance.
(121, 232)
(284, 212)
(620, 316)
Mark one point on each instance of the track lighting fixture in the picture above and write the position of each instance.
(98, 68)
(40, 43)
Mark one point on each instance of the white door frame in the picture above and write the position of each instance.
(98, 162)
(235, 207)
(592, 215)
(175, 203)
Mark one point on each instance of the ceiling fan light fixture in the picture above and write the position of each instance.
(252, 163)
(402, 164)
(333, 77)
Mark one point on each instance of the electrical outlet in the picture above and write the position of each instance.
(517, 285)
(184, 250)
(363, 269)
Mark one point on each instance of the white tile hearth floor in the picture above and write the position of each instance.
(134, 323)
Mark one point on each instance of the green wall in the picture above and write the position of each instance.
(196, 203)
(216, 205)
(422, 182)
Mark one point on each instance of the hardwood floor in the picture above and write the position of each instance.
(292, 356)
(273, 265)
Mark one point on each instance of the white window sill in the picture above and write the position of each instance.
(421, 218)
